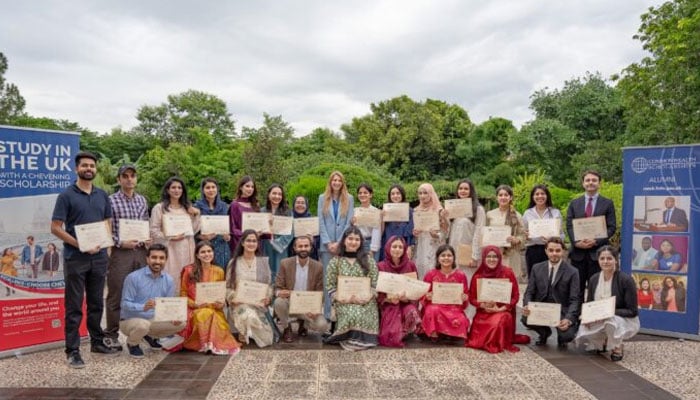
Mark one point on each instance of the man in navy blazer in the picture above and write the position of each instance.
(554, 281)
(592, 204)
(673, 216)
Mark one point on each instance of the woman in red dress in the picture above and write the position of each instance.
(445, 319)
(399, 315)
(493, 327)
(645, 297)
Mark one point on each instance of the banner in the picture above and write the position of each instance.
(660, 224)
(36, 165)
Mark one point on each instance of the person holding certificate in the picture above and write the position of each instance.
(402, 229)
(610, 333)
(540, 208)
(300, 209)
(250, 319)
(372, 235)
(554, 281)
(207, 330)
(210, 203)
(335, 211)
(445, 319)
(357, 323)
(493, 326)
(428, 241)
(275, 246)
(507, 215)
(463, 230)
(399, 315)
(174, 201)
(246, 201)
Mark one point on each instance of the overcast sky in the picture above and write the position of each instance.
(316, 63)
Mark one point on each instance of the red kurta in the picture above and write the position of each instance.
(446, 319)
(397, 320)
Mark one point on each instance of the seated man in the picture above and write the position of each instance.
(554, 281)
(299, 273)
(141, 287)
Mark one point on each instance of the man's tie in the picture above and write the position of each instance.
(589, 207)
(551, 275)
(668, 216)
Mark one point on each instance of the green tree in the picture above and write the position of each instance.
(11, 101)
(263, 150)
(485, 153)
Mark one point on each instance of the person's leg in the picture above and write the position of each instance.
(160, 329)
(325, 259)
(543, 331)
(567, 335)
(281, 306)
(94, 291)
(74, 277)
(122, 262)
(134, 329)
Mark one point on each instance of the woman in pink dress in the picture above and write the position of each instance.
(399, 315)
(493, 327)
(445, 319)
(246, 201)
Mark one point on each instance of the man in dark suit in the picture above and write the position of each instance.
(554, 281)
(592, 204)
(299, 273)
(674, 217)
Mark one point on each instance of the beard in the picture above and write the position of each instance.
(86, 175)
(303, 254)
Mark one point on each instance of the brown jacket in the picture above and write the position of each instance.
(286, 275)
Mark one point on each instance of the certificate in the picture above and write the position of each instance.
(546, 227)
(259, 222)
(353, 285)
(495, 236)
(590, 228)
(415, 289)
(369, 217)
(282, 225)
(597, 310)
(133, 229)
(177, 224)
(303, 302)
(412, 275)
(92, 235)
(544, 314)
(170, 309)
(210, 292)
(395, 212)
(306, 226)
(426, 220)
(251, 292)
(464, 254)
(391, 283)
(218, 224)
(495, 290)
(459, 208)
(447, 293)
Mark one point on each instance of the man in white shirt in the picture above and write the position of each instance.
(645, 257)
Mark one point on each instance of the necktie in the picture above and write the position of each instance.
(668, 216)
(589, 207)
(549, 287)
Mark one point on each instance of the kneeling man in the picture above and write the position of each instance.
(299, 273)
(554, 281)
(141, 287)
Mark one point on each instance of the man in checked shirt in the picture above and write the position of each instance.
(126, 256)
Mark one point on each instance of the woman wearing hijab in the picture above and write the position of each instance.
(493, 327)
(427, 242)
(399, 315)
(210, 203)
(300, 209)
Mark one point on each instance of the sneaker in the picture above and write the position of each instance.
(153, 342)
(171, 342)
(102, 349)
(74, 360)
(135, 351)
(113, 343)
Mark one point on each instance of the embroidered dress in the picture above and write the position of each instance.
(180, 252)
(251, 322)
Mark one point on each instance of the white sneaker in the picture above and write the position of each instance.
(171, 341)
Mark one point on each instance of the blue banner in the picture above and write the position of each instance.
(660, 224)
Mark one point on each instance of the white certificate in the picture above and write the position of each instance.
(170, 309)
(259, 222)
(305, 302)
(133, 229)
(495, 236)
(447, 293)
(544, 314)
(177, 224)
(306, 226)
(590, 228)
(597, 310)
(415, 289)
(395, 212)
(547, 227)
(369, 217)
(92, 235)
(210, 292)
(464, 254)
(495, 290)
(459, 208)
(391, 283)
(426, 220)
(282, 225)
(251, 292)
(353, 285)
(217, 224)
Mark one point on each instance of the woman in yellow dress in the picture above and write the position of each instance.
(7, 265)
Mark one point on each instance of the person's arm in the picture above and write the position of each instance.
(676, 262)
(156, 224)
(129, 294)
(325, 239)
(570, 215)
(628, 292)
(574, 309)
(57, 229)
(531, 287)
(610, 221)
(235, 220)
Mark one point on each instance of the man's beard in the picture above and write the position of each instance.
(303, 254)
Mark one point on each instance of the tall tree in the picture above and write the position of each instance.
(263, 149)
(11, 101)
(485, 152)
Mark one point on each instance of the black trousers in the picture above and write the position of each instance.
(533, 255)
(587, 267)
(122, 262)
(562, 336)
(84, 279)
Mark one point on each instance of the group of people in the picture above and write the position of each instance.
(33, 259)
(667, 294)
(166, 265)
(666, 258)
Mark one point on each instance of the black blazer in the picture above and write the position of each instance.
(678, 217)
(623, 288)
(577, 209)
(565, 290)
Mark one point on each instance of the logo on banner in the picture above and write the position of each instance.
(642, 164)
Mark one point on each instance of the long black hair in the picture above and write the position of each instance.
(253, 199)
(544, 188)
(283, 208)
(165, 196)
(443, 248)
(197, 271)
(472, 195)
(362, 255)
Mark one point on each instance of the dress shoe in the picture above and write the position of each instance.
(102, 349)
(287, 335)
(74, 360)
(153, 342)
(543, 339)
(302, 331)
